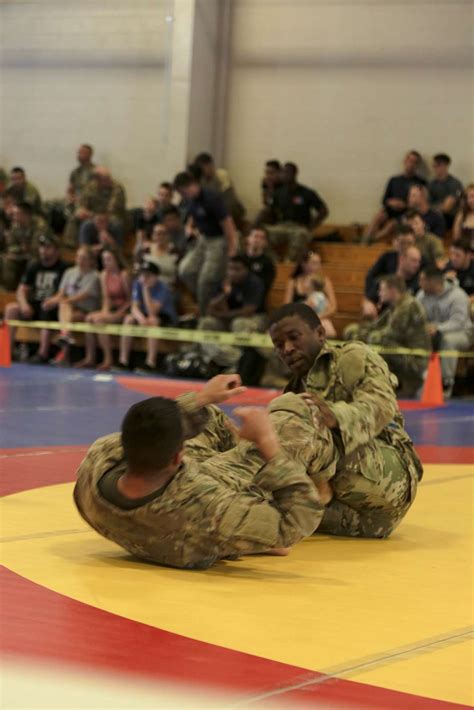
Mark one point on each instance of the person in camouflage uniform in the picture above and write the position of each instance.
(82, 175)
(221, 495)
(20, 244)
(22, 190)
(401, 324)
(378, 470)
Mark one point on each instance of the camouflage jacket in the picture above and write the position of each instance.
(110, 200)
(80, 178)
(403, 325)
(29, 194)
(22, 242)
(360, 390)
(216, 506)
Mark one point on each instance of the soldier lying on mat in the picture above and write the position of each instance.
(378, 470)
(182, 486)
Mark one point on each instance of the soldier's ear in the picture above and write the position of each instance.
(178, 457)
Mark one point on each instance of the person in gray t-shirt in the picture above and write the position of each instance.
(444, 190)
(78, 295)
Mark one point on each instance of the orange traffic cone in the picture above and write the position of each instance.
(432, 394)
(5, 354)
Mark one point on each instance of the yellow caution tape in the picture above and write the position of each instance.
(184, 335)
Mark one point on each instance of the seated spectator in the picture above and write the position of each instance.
(115, 290)
(444, 190)
(238, 306)
(256, 245)
(82, 175)
(301, 288)
(101, 195)
(464, 222)
(203, 268)
(431, 247)
(461, 266)
(23, 191)
(153, 305)
(163, 199)
(78, 295)
(20, 244)
(100, 232)
(272, 180)
(449, 320)
(402, 324)
(3, 187)
(171, 220)
(418, 200)
(144, 219)
(395, 200)
(386, 264)
(219, 180)
(34, 296)
(295, 209)
(161, 253)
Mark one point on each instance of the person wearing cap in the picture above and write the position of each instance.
(34, 296)
(21, 242)
(152, 305)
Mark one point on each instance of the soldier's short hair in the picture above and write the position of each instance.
(184, 179)
(152, 433)
(462, 244)
(394, 281)
(432, 273)
(301, 310)
(442, 158)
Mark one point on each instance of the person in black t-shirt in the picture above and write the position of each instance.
(434, 220)
(260, 263)
(203, 267)
(395, 199)
(39, 283)
(461, 266)
(295, 209)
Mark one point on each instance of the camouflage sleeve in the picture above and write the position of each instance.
(117, 201)
(104, 453)
(374, 405)
(205, 428)
(251, 524)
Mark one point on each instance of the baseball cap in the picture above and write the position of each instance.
(149, 267)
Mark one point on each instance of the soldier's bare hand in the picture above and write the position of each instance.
(326, 414)
(257, 427)
(220, 389)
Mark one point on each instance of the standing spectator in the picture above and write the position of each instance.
(163, 199)
(431, 247)
(295, 209)
(100, 232)
(81, 176)
(272, 180)
(444, 190)
(402, 324)
(461, 266)
(20, 244)
(219, 180)
(395, 199)
(153, 305)
(171, 220)
(115, 290)
(449, 320)
(23, 191)
(34, 296)
(418, 199)
(301, 289)
(78, 295)
(260, 263)
(203, 268)
(464, 222)
(3, 187)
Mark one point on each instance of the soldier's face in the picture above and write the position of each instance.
(296, 343)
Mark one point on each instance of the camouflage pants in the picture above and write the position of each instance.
(296, 236)
(228, 356)
(11, 271)
(370, 503)
(203, 269)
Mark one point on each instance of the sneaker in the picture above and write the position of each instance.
(145, 370)
(64, 340)
(120, 367)
(38, 360)
(20, 353)
(60, 359)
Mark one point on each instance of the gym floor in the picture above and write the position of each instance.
(337, 623)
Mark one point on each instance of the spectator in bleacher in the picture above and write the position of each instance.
(161, 253)
(272, 180)
(80, 176)
(152, 305)
(408, 268)
(295, 210)
(447, 308)
(302, 288)
(115, 293)
(386, 264)
(218, 179)
(23, 191)
(20, 244)
(431, 247)
(101, 195)
(34, 296)
(163, 199)
(402, 324)
(395, 199)
(203, 267)
(100, 232)
(418, 200)
(256, 245)
(444, 190)
(171, 220)
(464, 222)
(3, 187)
(77, 296)
(461, 266)
(144, 219)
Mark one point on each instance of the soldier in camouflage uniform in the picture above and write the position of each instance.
(21, 244)
(401, 324)
(22, 190)
(378, 471)
(221, 495)
(82, 175)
